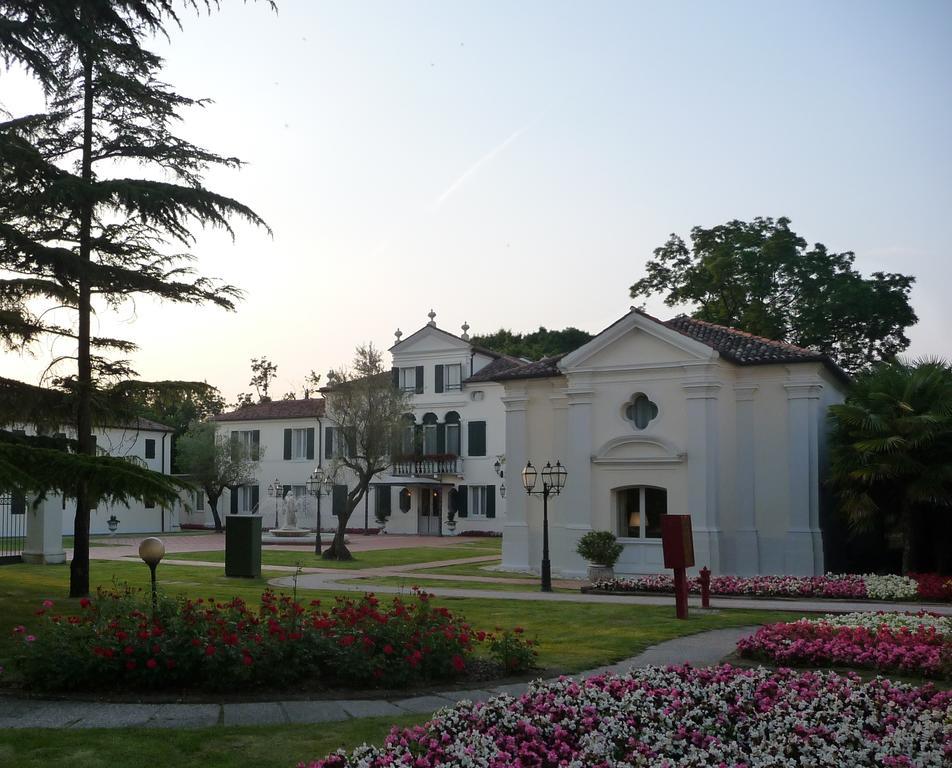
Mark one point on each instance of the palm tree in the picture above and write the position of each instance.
(891, 447)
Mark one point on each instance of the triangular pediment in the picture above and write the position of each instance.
(429, 339)
(636, 340)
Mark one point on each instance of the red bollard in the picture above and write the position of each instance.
(705, 587)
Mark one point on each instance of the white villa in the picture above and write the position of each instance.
(648, 418)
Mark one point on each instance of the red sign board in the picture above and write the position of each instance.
(677, 542)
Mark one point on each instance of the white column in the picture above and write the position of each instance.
(803, 533)
(44, 534)
(575, 509)
(515, 536)
(702, 469)
(747, 545)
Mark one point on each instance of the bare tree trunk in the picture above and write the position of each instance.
(79, 565)
(213, 503)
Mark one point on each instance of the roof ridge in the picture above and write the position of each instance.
(738, 332)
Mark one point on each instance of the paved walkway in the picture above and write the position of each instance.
(701, 649)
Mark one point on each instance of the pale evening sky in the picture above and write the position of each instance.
(515, 164)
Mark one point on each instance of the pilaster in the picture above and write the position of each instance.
(515, 539)
(747, 544)
(803, 554)
(44, 534)
(702, 468)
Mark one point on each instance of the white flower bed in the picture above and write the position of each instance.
(892, 621)
(679, 717)
(890, 587)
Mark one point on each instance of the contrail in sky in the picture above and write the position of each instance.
(477, 165)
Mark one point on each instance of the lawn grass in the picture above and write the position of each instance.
(374, 558)
(420, 580)
(478, 569)
(572, 636)
(271, 746)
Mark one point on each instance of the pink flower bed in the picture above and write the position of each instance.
(919, 650)
(831, 586)
(680, 717)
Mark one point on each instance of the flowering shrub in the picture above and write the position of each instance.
(679, 717)
(931, 586)
(919, 644)
(197, 643)
(511, 651)
(841, 586)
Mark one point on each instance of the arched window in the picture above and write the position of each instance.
(453, 433)
(640, 410)
(639, 509)
(408, 435)
(429, 434)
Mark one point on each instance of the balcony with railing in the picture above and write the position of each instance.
(421, 466)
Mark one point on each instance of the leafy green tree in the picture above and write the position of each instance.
(368, 411)
(176, 404)
(215, 462)
(535, 345)
(891, 449)
(761, 277)
(75, 230)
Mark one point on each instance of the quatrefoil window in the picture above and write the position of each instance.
(640, 410)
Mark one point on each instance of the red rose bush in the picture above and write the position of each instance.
(908, 643)
(116, 642)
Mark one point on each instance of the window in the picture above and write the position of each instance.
(150, 505)
(640, 510)
(640, 410)
(246, 498)
(149, 448)
(477, 500)
(199, 501)
(477, 395)
(477, 438)
(298, 443)
(453, 377)
(452, 433)
(250, 439)
(430, 434)
(408, 379)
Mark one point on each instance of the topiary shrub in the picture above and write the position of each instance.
(600, 548)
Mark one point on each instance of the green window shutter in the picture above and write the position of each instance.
(382, 498)
(490, 501)
(339, 501)
(233, 497)
(310, 443)
(255, 444)
(476, 431)
(254, 498)
(441, 438)
(438, 371)
(462, 501)
(328, 442)
(395, 373)
(419, 379)
(149, 448)
(287, 444)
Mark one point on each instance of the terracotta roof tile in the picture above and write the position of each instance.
(277, 409)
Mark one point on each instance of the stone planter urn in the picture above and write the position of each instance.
(598, 573)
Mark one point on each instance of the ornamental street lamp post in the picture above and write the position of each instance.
(275, 490)
(152, 550)
(553, 481)
(317, 485)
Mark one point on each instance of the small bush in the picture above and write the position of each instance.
(115, 642)
(600, 548)
(512, 651)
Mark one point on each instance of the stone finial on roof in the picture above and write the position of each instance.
(465, 336)
(398, 334)
(432, 315)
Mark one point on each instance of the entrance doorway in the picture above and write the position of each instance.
(430, 511)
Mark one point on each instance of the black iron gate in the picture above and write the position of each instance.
(12, 527)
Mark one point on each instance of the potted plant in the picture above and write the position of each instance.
(602, 551)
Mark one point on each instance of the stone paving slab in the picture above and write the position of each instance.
(254, 713)
(370, 708)
(516, 689)
(423, 704)
(186, 716)
(314, 711)
(474, 696)
(117, 715)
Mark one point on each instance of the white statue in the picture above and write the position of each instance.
(290, 511)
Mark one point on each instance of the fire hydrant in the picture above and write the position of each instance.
(705, 587)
